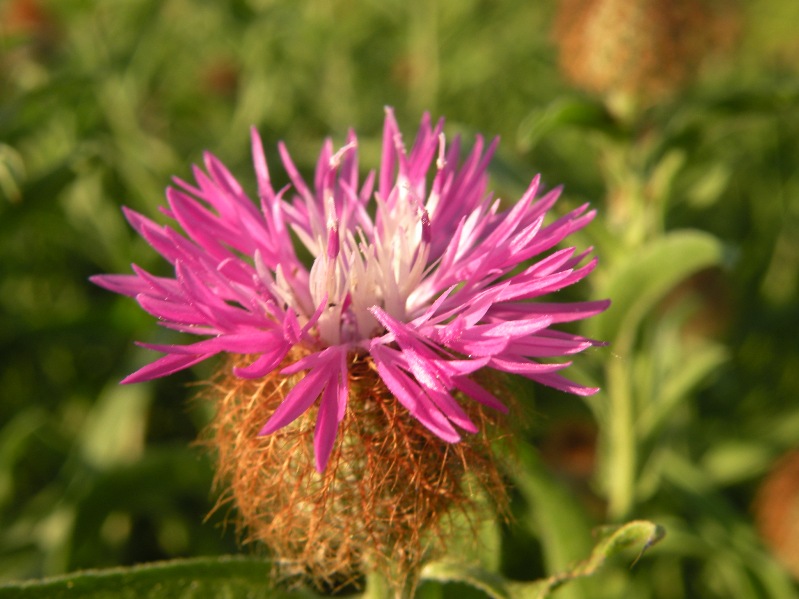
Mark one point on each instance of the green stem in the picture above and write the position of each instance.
(379, 587)
(621, 453)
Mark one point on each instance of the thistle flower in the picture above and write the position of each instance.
(419, 285)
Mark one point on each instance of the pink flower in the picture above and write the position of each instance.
(433, 283)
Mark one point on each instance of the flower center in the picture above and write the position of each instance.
(360, 270)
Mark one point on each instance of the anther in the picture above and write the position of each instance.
(441, 162)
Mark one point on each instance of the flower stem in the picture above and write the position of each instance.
(620, 441)
(379, 587)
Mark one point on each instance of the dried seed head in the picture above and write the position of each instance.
(385, 500)
(642, 49)
(777, 511)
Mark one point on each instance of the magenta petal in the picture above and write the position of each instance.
(264, 364)
(428, 314)
(525, 367)
(313, 361)
(452, 410)
(561, 383)
(565, 312)
(293, 173)
(529, 287)
(516, 329)
(412, 396)
(298, 400)
(324, 371)
(450, 279)
(241, 343)
(343, 387)
(486, 346)
(158, 286)
(129, 285)
(163, 366)
(259, 163)
(174, 311)
(462, 367)
(477, 393)
(424, 370)
(326, 425)
(547, 344)
(387, 171)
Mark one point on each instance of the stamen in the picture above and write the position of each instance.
(399, 144)
(335, 159)
(441, 162)
(332, 242)
(332, 227)
(426, 234)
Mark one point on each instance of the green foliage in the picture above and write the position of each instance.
(177, 579)
(640, 281)
(697, 234)
(246, 577)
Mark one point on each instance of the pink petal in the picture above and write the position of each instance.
(411, 395)
(129, 285)
(327, 423)
(561, 383)
(298, 400)
(163, 366)
(263, 364)
(525, 367)
(477, 393)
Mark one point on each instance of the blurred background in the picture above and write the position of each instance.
(678, 120)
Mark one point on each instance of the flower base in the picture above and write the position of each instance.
(386, 499)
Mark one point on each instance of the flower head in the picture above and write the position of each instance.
(417, 269)
(418, 287)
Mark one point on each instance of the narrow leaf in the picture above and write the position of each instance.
(227, 576)
(639, 532)
(491, 584)
(646, 276)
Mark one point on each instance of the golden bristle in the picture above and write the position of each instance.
(385, 499)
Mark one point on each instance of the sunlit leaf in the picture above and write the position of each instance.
(640, 534)
(555, 515)
(569, 111)
(231, 577)
(677, 388)
(645, 277)
(491, 584)
(114, 431)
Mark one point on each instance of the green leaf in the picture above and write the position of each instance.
(615, 539)
(491, 584)
(223, 577)
(115, 429)
(14, 439)
(555, 515)
(732, 461)
(12, 173)
(477, 535)
(678, 386)
(562, 112)
(646, 276)
(709, 185)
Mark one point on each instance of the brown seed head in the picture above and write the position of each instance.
(777, 511)
(384, 501)
(640, 48)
